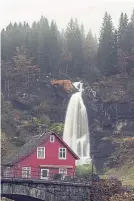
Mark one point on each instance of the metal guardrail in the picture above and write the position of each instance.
(17, 173)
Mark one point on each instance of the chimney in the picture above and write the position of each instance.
(43, 128)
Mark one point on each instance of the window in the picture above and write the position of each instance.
(41, 152)
(26, 172)
(7, 172)
(44, 173)
(63, 172)
(62, 153)
(52, 138)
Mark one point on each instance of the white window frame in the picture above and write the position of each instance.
(63, 171)
(41, 173)
(61, 149)
(52, 138)
(38, 149)
(7, 172)
(26, 172)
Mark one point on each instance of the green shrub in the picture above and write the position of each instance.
(56, 127)
(83, 170)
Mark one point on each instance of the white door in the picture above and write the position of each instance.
(44, 173)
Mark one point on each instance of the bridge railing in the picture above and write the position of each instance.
(33, 173)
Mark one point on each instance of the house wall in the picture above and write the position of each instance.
(51, 158)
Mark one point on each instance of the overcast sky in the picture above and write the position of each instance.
(88, 12)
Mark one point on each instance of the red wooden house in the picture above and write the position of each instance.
(44, 156)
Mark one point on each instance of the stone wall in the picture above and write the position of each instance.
(44, 190)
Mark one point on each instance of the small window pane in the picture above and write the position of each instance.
(63, 172)
(7, 172)
(52, 138)
(62, 153)
(44, 173)
(26, 172)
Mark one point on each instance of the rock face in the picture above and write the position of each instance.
(31, 106)
(103, 129)
(105, 118)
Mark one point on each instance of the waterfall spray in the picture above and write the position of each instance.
(76, 132)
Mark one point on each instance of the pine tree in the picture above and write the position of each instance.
(90, 53)
(132, 17)
(3, 45)
(55, 49)
(82, 31)
(114, 54)
(122, 32)
(121, 22)
(43, 45)
(90, 47)
(21, 59)
(7, 42)
(130, 45)
(26, 32)
(130, 33)
(75, 47)
(106, 42)
(33, 43)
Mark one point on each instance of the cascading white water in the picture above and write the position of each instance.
(76, 132)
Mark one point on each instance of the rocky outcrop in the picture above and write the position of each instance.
(111, 110)
(65, 84)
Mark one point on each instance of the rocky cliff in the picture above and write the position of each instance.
(111, 120)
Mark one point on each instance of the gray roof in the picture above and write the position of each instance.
(26, 149)
(30, 146)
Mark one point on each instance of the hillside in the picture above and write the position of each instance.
(39, 64)
(121, 163)
(19, 123)
(117, 93)
(116, 88)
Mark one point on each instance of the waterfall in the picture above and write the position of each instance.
(76, 132)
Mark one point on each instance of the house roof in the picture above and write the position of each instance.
(31, 145)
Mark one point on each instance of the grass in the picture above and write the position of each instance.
(124, 174)
(124, 156)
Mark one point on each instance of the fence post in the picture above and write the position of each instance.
(92, 171)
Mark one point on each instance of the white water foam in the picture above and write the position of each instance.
(76, 132)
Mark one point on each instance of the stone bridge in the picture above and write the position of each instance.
(32, 190)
